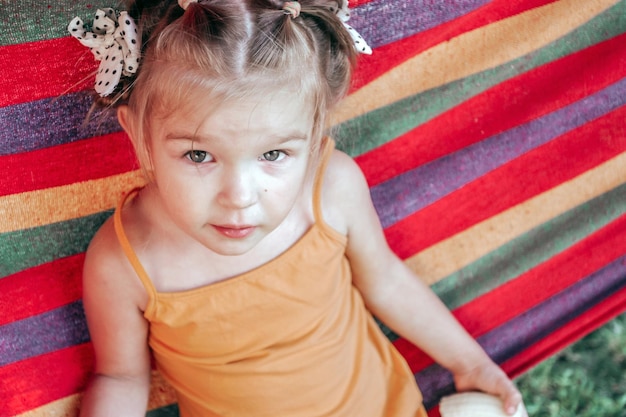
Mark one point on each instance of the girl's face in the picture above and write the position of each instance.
(230, 176)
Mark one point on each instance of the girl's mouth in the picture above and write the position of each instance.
(235, 232)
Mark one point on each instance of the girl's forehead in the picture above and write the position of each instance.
(192, 91)
(269, 113)
(277, 103)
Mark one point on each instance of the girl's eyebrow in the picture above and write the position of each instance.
(182, 136)
(279, 139)
(292, 136)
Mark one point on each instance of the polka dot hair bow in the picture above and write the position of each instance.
(344, 14)
(115, 42)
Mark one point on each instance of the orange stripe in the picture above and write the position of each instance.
(51, 205)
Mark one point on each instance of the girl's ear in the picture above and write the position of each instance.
(122, 117)
(141, 149)
(126, 121)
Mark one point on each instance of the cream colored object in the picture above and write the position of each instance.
(475, 404)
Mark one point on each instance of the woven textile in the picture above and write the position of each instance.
(491, 133)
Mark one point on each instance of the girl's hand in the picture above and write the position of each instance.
(489, 378)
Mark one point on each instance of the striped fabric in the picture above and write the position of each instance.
(492, 134)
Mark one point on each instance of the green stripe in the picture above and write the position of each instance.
(366, 132)
(27, 248)
(531, 249)
(167, 411)
(30, 21)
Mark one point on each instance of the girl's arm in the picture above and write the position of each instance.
(399, 298)
(118, 330)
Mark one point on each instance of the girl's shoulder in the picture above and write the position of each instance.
(343, 186)
(106, 262)
(104, 249)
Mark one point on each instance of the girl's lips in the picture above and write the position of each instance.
(235, 232)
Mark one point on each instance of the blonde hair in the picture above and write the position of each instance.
(229, 49)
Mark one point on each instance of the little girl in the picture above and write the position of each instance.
(249, 263)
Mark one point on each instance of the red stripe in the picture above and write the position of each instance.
(31, 383)
(388, 56)
(44, 69)
(527, 176)
(584, 324)
(69, 163)
(537, 93)
(495, 308)
(56, 283)
(355, 3)
(434, 412)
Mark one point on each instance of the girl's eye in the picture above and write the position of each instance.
(197, 156)
(273, 155)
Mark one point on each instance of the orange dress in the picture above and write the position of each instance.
(291, 338)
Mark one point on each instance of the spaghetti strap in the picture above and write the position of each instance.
(130, 253)
(328, 147)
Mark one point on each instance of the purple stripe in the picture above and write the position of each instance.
(50, 122)
(381, 22)
(57, 329)
(413, 190)
(537, 323)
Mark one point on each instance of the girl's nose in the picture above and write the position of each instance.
(238, 190)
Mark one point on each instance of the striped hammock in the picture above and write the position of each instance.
(492, 134)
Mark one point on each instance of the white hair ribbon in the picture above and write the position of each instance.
(344, 14)
(115, 42)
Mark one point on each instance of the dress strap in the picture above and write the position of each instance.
(327, 149)
(129, 252)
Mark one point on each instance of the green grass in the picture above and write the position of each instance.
(588, 379)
